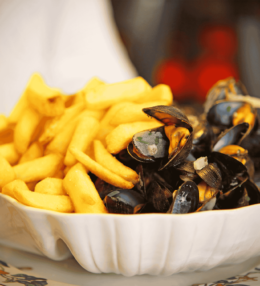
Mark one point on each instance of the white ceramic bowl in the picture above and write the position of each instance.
(156, 244)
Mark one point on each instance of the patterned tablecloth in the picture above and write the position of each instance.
(9, 275)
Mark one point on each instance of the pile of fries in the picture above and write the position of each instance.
(51, 141)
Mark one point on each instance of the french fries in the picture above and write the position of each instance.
(104, 158)
(51, 141)
(25, 128)
(44, 99)
(100, 171)
(51, 186)
(84, 134)
(7, 173)
(82, 191)
(55, 203)
(121, 136)
(106, 95)
(38, 169)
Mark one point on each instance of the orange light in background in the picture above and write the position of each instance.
(173, 73)
(209, 71)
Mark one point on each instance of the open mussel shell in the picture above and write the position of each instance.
(203, 137)
(169, 115)
(123, 201)
(179, 157)
(231, 136)
(243, 195)
(233, 172)
(149, 145)
(222, 113)
(240, 154)
(185, 199)
(218, 92)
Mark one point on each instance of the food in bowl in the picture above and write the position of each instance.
(127, 148)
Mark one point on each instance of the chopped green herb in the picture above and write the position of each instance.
(150, 133)
(156, 140)
(140, 139)
(228, 108)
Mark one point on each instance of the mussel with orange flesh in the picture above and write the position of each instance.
(203, 136)
(240, 154)
(231, 136)
(220, 91)
(178, 130)
(225, 114)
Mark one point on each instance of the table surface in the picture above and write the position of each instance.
(69, 271)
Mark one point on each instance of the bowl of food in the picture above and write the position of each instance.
(122, 179)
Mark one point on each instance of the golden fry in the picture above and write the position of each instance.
(106, 95)
(61, 141)
(7, 136)
(9, 152)
(7, 173)
(82, 191)
(84, 134)
(100, 171)
(19, 109)
(51, 186)
(104, 158)
(46, 100)
(55, 125)
(97, 114)
(160, 92)
(43, 201)
(31, 185)
(119, 138)
(25, 128)
(4, 123)
(133, 112)
(33, 152)
(8, 188)
(38, 169)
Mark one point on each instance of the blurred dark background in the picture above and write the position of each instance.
(190, 44)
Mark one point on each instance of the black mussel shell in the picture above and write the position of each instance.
(221, 113)
(124, 157)
(159, 196)
(235, 198)
(149, 145)
(169, 115)
(233, 172)
(231, 136)
(179, 157)
(185, 199)
(187, 171)
(172, 177)
(253, 192)
(104, 188)
(251, 144)
(203, 137)
(123, 201)
(211, 174)
(145, 208)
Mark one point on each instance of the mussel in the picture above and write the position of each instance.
(178, 131)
